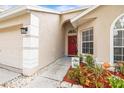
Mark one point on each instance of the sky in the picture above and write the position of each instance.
(54, 7)
(62, 7)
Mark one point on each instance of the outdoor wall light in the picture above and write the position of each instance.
(24, 30)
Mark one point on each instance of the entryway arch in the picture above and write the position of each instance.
(70, 39)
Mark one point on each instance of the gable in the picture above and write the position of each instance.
(103, 12)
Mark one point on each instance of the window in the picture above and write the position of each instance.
(118, 45)
(119, 40)
(71, 31)
(87, 41)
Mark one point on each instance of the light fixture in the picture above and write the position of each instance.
(24, 30)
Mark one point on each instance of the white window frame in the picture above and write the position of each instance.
(121, 42)
(111, 56)
(87, 41)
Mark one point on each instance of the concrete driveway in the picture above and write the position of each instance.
(6, 75)
(52, 75)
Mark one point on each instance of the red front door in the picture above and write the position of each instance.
(72, 45)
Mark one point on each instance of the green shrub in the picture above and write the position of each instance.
(89, 60)
(70, 74)
(122, 69)
(98, 70)
(82, 80)
(74, 73)
(99, 85)
(116, 82)
(80, 56)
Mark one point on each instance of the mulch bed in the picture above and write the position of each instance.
(106, 85)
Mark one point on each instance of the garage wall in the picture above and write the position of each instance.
(22, 19)
(51, 38)
(11, 42)
(11, 47)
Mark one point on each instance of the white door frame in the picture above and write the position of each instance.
(111, 39)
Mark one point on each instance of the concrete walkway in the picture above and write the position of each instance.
(6, 75)
(52, 75)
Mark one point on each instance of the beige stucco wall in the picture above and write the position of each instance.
(105, 15)
(51, 38)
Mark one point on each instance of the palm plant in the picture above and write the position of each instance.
(89, 60)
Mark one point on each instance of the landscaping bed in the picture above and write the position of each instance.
(90, 75)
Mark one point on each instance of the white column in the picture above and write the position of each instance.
(31, 46)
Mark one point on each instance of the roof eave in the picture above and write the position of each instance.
(74, 10)
(22, 10)
(41, 9)
(13, 12)
(83, 13)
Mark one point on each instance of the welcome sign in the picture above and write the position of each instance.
(75, 62)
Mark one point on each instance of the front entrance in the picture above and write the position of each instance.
(72, 45)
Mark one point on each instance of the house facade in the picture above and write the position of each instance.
(32, 37)
(106, 25)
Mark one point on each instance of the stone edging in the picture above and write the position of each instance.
(18, 82)
(65, 84)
